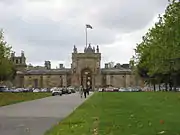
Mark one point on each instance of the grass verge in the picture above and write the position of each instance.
(12, 98)
(141, 113)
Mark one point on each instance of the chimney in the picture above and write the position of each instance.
(12, 54)
(118, 65)
(126, 66)
(61, 66)
(22, 53)
(106, 65)
(47, 64)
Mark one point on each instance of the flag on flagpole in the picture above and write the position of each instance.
(89, 26)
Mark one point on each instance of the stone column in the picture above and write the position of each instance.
(108, 79)
(64, 77)
(93, 82)
(78, 80)
(128, 80)
(98, 81)
(124, 78)
(41, 81)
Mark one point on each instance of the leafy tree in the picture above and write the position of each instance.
(158, 54)
(7, 70)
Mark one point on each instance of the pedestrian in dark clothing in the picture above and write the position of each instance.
(103, 90)
(85, 91)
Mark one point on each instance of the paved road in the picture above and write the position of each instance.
(35, 117)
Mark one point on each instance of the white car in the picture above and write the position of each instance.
(44, 90)
(56, 92)
(109, 89)
(36, 90)
(54, 88)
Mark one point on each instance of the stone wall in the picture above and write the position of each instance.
(64, 80)
(121, 80)
(45, 81)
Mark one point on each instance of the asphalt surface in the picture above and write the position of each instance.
(37, 116)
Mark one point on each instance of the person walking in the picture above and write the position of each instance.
(85, 91)
(81, 91)
(88, 89)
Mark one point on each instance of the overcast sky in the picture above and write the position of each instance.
(48, 29)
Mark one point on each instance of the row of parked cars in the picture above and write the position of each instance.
(60, 91)
(54, 90)
(17, 90)
(112, 89)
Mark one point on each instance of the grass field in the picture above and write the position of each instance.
(11, 98)
(141, 113)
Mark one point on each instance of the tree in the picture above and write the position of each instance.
(157, 54)
(7, 70)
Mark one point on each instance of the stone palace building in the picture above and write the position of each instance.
(85, 70)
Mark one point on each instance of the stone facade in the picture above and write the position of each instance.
(85, 71)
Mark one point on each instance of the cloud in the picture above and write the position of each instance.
(128, 16)
(48, 29)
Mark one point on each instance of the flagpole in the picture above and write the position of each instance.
(86, 36)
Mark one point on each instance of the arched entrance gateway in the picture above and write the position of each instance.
(86, 78)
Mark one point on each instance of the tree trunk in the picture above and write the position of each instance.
(174, 82)
(159, 87)
(170, 85)
(154, 86)
(166, 87)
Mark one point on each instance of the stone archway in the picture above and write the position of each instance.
(86, 78)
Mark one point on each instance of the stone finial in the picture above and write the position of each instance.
(22, 53)
(89, 49)
(89, 45)
(75, 49)
(97, 49)
(94, 49)
(13, 54)
(85, 49)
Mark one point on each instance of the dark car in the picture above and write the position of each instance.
(64, 91)
(115, 90)
(73, 91)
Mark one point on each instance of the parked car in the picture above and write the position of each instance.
(44, 90)
(36, 90)
(109, 89)
(69, 91)
(66, 91)
(124, 90)
(72, 89)
(116, 89)
(2, 88)
(56, 92)
(17, 90)
(100, 89)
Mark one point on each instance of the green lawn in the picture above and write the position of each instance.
(141, 113)
(11, 98)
